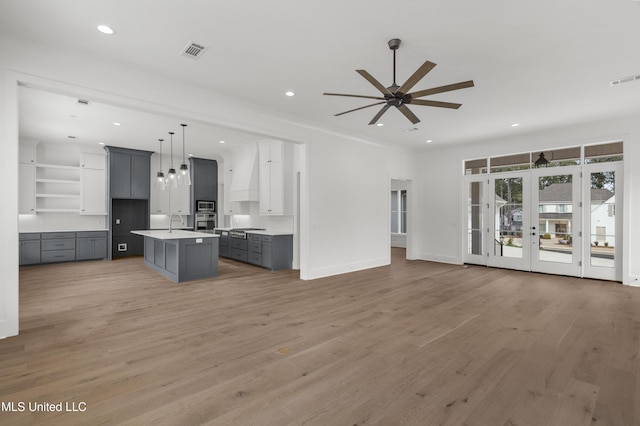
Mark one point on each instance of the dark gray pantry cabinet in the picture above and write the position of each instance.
(51, 247)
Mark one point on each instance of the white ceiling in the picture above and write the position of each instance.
(542, 64)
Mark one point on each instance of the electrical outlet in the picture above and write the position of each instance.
(117, 221)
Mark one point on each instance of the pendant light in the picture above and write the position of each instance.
(184, 177)
(172, 178)
(161, 182)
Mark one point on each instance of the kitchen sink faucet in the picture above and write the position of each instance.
(171, 221)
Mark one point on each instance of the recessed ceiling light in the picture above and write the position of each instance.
(290, 93)
(100, 143)
(104, 29)
(222, 142)
(380, 124)
(428, 141)
(115, 123)
(515, 124)
(624, 80)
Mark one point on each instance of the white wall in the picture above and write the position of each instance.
(348, 214)
(440, 220)
(9, 207)
(344, 194)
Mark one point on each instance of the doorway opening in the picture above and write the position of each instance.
(399, 217)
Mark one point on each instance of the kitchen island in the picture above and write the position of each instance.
(181, 255)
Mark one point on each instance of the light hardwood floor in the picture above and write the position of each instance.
(414, 343)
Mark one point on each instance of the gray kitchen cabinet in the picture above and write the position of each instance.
(239, 249)
(204, 179)
(91, 245)
(271, 251)
(49, 247)
(29, 249)
(129, 173)
(223, 243)
(58, 247)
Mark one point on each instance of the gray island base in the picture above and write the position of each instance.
(181, 255)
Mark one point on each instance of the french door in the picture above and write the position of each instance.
(510, 232)
(602, 245)
(558, 220)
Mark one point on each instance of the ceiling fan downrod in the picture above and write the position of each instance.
(394, 44)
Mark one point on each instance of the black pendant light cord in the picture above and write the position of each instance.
(183, 158)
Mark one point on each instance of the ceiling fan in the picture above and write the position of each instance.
(398, 96)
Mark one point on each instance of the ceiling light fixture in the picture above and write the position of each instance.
(380, 124)
(222, 142)
(184, 177)
(105, 29)
(161, 182)
(428, 141)
(290, 93)
(515, 124)
(624, 80)
(115, 123)
(172, 179)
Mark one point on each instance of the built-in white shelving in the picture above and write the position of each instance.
(57, 188)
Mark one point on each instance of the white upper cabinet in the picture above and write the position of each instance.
(276, 182)
(170, 200)
(27, 188)
(27, 179)
(93, 188)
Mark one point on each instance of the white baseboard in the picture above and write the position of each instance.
(345, 268)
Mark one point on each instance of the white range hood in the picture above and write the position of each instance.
(244, 180)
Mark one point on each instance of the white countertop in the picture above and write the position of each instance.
(176, 234)
(262, 232)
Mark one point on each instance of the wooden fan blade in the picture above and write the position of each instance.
(416, 77)
(435, 103)
(407, 113)
(356, 109)
(441, 89)
(375, 82)
(354, 96)
(379, 114)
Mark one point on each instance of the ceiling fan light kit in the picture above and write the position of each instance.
(399, 96)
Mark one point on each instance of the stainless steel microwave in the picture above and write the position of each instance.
(205, 206)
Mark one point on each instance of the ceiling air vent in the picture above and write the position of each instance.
(193, 50)
(624, 80)
(83, 102)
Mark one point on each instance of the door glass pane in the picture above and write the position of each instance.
(474, 213)
(403, 211)
(603, 153)
(394, 212)
(555, 223)
(508, 217)
(603, 219)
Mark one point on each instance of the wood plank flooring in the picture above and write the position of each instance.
(413, 343)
